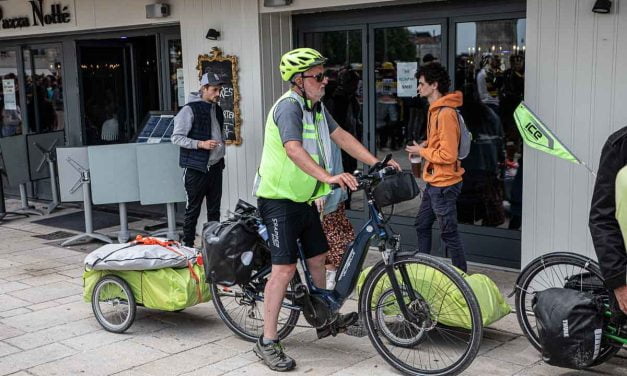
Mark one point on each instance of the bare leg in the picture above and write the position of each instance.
(317, 270)
(273, 297)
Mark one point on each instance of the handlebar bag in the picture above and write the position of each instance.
(570, 326)
(228, 251)
(396, 188)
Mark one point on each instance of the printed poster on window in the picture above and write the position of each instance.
(406, 79)
(180, 87)
(8, 89)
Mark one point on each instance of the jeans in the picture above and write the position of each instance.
(441, 203)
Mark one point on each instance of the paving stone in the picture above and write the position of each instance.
(371, 366)
(104, 360)
(58, 333)
(8, 302)
(6, 349)
(223, 366)
(7, 331)
(46, 279)
(47, 318)
(184, 333)
(49, 292)
(15, 312)
(518, 351)
(8, 263)
(93, 340)
(17, 275)
(483, 366)
(44, 305)
(26, 359)
(187, 361)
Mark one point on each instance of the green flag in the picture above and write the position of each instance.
(538, 136)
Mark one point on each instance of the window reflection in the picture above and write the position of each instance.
(343, 93)
(44, 89)
(400, 115)
(9, 99)
(175, 54)
(489, 70)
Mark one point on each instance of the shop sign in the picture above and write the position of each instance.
(57, 14)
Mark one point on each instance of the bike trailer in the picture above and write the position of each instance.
(570, 326)
(165, 289)
(446, 297)
(161, 274)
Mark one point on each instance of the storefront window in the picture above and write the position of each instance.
(400, 115)
(343, 94)
(489, 70)
(10, 100)
(44, 89)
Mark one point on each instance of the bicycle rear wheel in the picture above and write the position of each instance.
(241, 308)
(442, 337)
(565, 270)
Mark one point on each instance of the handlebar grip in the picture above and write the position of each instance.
(386, 172)
(335, 186)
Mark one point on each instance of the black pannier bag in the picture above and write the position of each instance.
(570, 326)
(228, 251)
(396, 188)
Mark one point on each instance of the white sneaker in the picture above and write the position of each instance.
(331, 279)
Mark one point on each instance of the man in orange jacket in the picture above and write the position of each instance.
(442, 170)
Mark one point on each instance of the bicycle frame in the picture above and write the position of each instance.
(352, 263)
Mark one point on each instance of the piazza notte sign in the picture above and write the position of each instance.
(40, 16)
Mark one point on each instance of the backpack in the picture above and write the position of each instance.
(570, 326)
(465, 137)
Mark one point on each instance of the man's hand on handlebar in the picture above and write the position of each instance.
(394, 164)
(343, 180)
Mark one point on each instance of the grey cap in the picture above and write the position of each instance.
(212, 79)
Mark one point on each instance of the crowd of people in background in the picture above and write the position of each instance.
(492, 89)
(44, 104)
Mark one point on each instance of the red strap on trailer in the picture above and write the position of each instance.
(167, 244)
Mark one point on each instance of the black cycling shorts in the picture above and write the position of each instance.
(287, 222)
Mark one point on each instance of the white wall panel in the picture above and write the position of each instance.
(238, 23)
(575, 85)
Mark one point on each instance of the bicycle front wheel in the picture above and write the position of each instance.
(443, 332)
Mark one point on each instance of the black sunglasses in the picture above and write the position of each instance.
(318, 77)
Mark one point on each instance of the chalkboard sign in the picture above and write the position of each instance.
(226, 68)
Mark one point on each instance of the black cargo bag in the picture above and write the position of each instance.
(570, 326)
(396, 188)
(228, 251)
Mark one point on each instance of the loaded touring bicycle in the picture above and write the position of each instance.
(407, 301)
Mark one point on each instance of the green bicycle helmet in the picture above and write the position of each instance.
(299, 60)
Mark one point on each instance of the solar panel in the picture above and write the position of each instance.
(157, 127)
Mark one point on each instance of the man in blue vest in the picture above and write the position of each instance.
(294, 171)
(198, 130)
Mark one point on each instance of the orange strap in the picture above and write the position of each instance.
(167, 244)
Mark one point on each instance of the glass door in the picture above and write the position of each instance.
(119, 85)
(399, 115)
(172, 68)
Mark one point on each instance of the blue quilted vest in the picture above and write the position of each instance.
(197, 159)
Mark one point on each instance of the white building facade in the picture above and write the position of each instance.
(572, 80)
